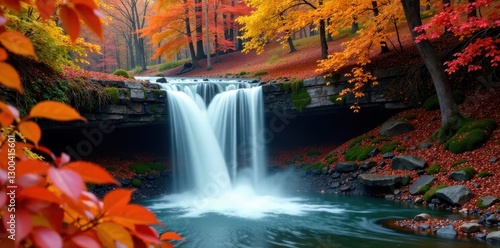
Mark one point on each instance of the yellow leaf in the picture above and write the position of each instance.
(31, 131)
(17, 43)
(108, 233)
(56, 111)
(70, 22)
(9, 77)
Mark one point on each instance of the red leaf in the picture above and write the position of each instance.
(39, 193)
(85, 241)
(89, 17)
(70, 22)
(44, 237)
(46, 8)
(68, 181)
(91, 172)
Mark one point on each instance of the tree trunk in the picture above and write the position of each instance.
(194, 60)
(328, 35)
(449, 109)
(207, 36)
(354, 26)
(322, 38)
(472, 11)
(290, 45)
(200, 54)
(383, 44)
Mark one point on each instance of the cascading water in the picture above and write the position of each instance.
(218, 143)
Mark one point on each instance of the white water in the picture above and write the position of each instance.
(218, 154)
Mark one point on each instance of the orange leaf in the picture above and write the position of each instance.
(89, 17)
(46, 8)
(91, 172)
(89, 3)
(108, 233)
(12, 4)
(56, 111)
(146, 233)
(117, 198)
(39, 193)
(6, 119)
(3, 54)
(31, 131)
(70, 22)
(170, 236)
(133, 214)
(9, 77)
(166, 245)
(17, 43)
(31, 166)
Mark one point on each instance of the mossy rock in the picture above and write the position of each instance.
(463, 174)
(389, 147)
(359, 139)
(143, 168)
(297, 157)
(136, 183)
(431, 193)
(468, 141)
(433, 169)
(358, 153)
(484, 174)
(317, 166)
(112, 93)
(122, 73)
(432, 102)
(459, 162)
(406, 180)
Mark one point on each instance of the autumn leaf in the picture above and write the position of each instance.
(39, 193)
(89, 18)
(46, 8)
(6, 119)
(108, 233)
(89, 3)
(12, 4)
(117, 198)
(85, 241)
(91, 172)
(70, 22)
(67, 181)
(170, 236)
(44, 237)
(3, 54)
(54, 110)
(132, 214)
(9, 77)
(146, 233)
(17, 43)
(31, 131)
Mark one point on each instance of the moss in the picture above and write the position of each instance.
(480, 204)
(459, 162)
(431, 193)
(337, 99)
(468, 141)
(486, 124)
(424, 189)
(358, 153)
(136, 183)
(142, 168)
(260, 73)
(433, 169)
(484, 174)
(243, 73)
(330, 155)
(317, 165)
(406, 180)
(297, 157)
(380, 140)
(313, 153)
(158, 93)
(469, 171)
(358, 139)
(157, 117)
(332, 160)
(401, 149)
(389, 147)
(112, 93)
(432, 102)
(121, 73)
(300, 96)
(126, 93)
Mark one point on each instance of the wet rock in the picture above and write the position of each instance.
(481, 235)
(373, 152)
(447, 231)
(124, 181)
(335, 185)
(378, 180)
(335, 175)
(354, 175)
(493, 159)
(456, 195)
(421, 182)
(493, 237)
(423, 226)
(407, 162)
(381, 164)
(367, 165)
(461, 175)
(420, 172)
(389, 197)
(470, 227)
(396, 191)
(395, 127)
(419, 200)
(489, 200)
(345, 188)
(324, 170)
(421, 217)
(373, 170)
(425, 145)
(344, 167)
(492, 219)
(436, 201)
(151, 177)
(388, 155)
(413, 148)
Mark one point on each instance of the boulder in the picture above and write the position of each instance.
(395, 127)
(407, 162)
(460, 175)
(161, 80)
(379, 180)
(470, 227)
(447, 231)
(388, 155)
(373, 152)
(493, 237)
(422, 216)
(456, 195)
(346, 167)
(489, 200)
(421, 182)
(367, 165)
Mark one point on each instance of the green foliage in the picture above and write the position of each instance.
(358, 139)
(142, 168)
(469, 171)
(480, 204)
(330, 155)
(136, 183)
(389, 147)
(313, 153)
(243, 73)
(406, 180)
(459, 162)
(337, 99)
(432, 102)
(424, 189)
(293, 87)
(401, 149)
(380, 139)
(138, 69)
(317, 165)
(260, 73)
(358, 153)
(300, 96)
(172, 64)
(297, 157)
(469, 141)
(468, 125)
(158, 93)
(332, 160)
(121, 73)
(112, 93)
(484, 174)
(433, 169)
(431, 193)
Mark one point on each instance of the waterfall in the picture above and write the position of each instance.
(216, 133)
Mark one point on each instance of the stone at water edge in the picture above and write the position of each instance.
(379, 180)
(407, 162)
(346, 166)
(395, 127)
(421, 182)
(493, 237)
(447, 231)
(368, 165)
(422, 216)
(489, 200)
(456, 195)
(470, 227)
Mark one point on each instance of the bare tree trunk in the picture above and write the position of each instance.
(354, 24)
(194, 60)
(383, 44)
(449, 109)
(472, 11)
(290, 45)
(200, 54)
(207, 36)
(322, 38)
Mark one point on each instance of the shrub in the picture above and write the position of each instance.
(358, 139)
(139, 168)
(172, 64)
(260, 73)
(138, 69)
(112, 93)
(358, 153)
(389, 147)
(483, 174)
(432, 102)
(313, 153)
(380, 139)
(469, 171)
(121, 73)
(155, 166)
(459, 162)
(332, 160)
(317, 165)
(431, 193)
(433, 169)
(136, 183)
